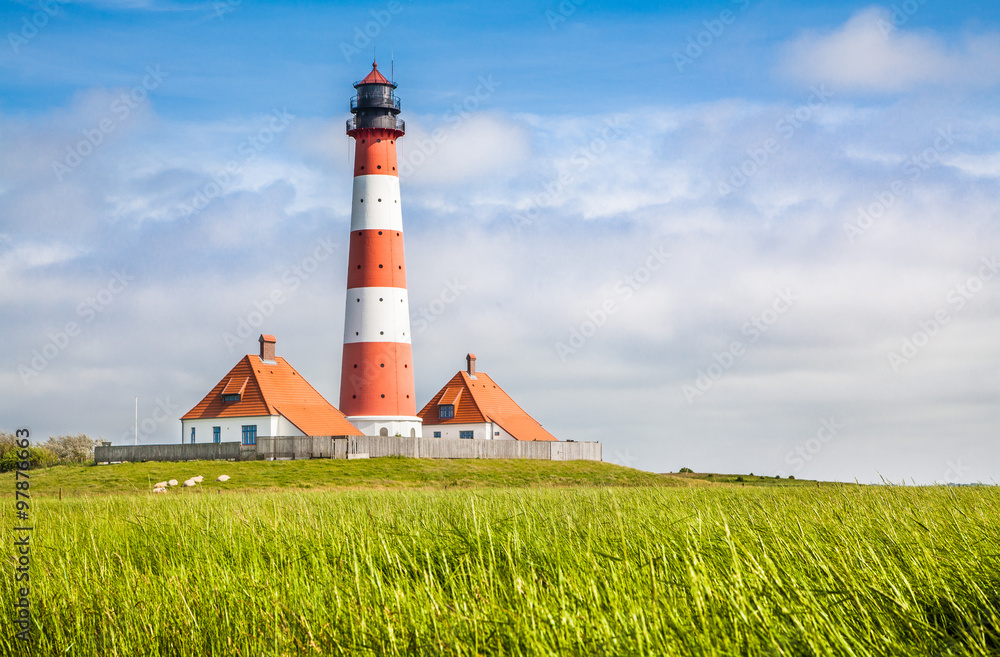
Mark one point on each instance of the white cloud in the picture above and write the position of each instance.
(475, 147)
(869, 53)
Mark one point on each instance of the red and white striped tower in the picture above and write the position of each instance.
(376, 388)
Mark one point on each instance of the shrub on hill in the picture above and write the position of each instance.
(56, 450)
(72, 449)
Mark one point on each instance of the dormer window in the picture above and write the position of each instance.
(446, 411)
(233, 392)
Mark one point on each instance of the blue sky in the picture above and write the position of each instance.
(546, 162)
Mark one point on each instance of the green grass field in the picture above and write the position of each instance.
(518, 569)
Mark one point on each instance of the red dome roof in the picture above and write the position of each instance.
(375, 77)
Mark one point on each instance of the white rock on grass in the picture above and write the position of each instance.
(161, 484)
(189, 483)
(198, 479)
(172, 482)
(223, 478)
(159, 490)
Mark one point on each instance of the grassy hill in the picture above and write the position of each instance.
(383, 473)
(327, 474)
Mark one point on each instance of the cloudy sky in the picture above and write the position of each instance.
(734, 236)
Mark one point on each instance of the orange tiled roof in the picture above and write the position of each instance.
(482, 400)
(273, 389)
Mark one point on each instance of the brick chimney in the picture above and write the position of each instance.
(267, 347)
(471, 360)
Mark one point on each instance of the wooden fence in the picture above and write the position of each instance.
(196, 452)
(344, 447)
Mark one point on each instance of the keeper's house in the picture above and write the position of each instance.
(262, 396)
(471, 405)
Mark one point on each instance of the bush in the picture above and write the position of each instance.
(686, 471)
(72, 449)
(38, 457)
(8, 441)
(57, 449)
(740, 478)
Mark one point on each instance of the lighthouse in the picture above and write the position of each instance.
(376, 387)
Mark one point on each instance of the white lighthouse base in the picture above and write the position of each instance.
(370, 425)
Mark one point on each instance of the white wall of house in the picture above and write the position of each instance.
(232, 428)
(480, 431)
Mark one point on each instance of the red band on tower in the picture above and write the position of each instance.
(376, 259)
